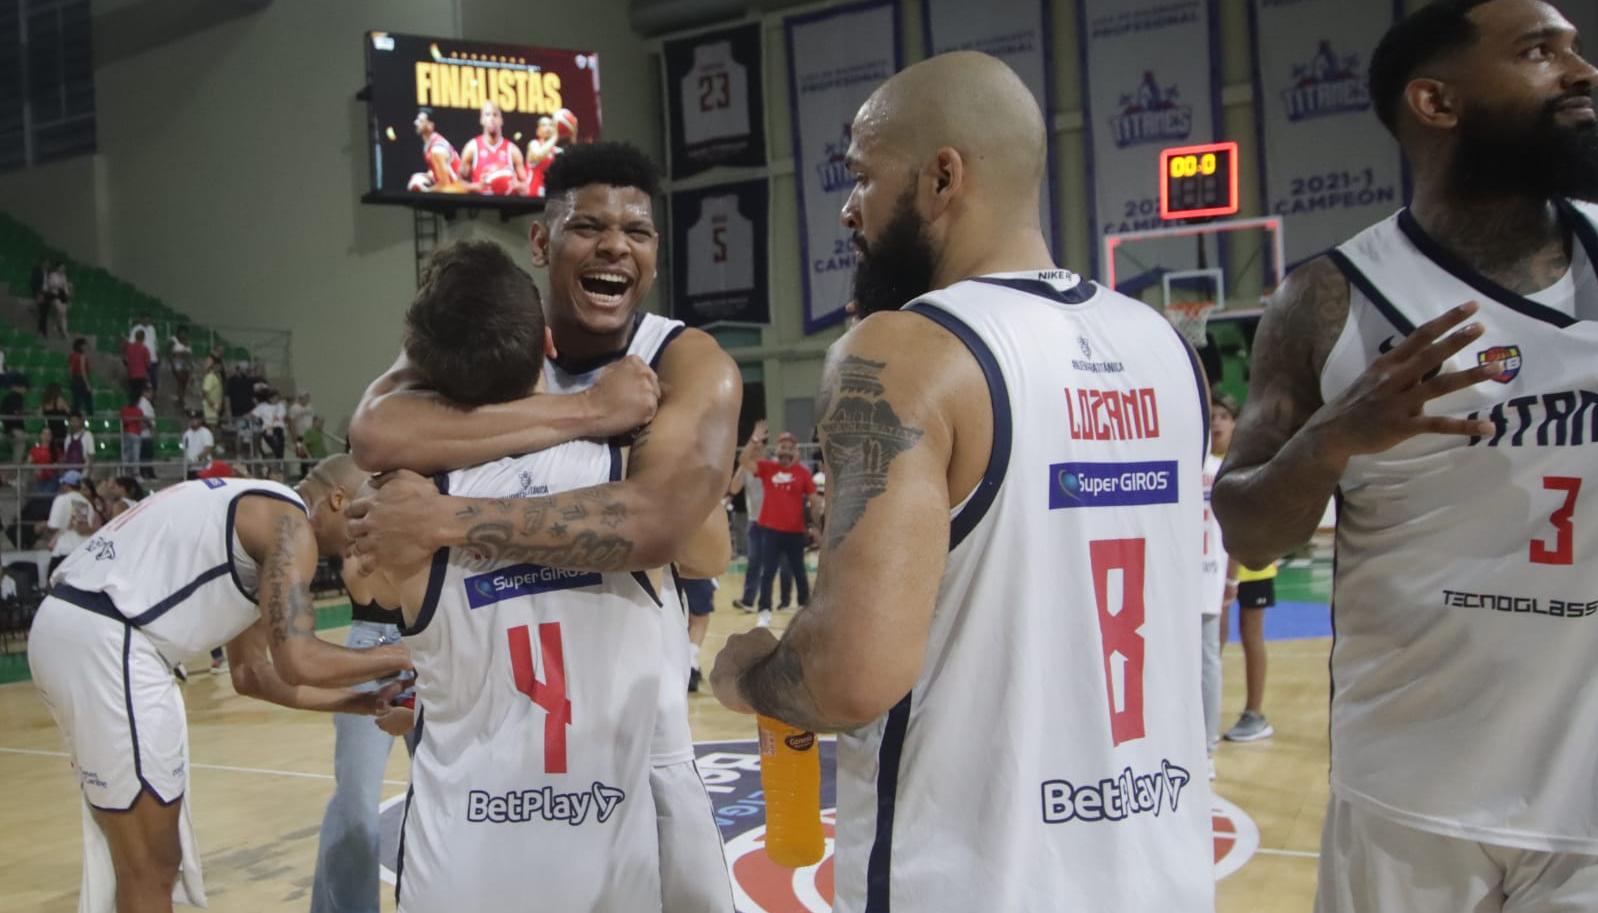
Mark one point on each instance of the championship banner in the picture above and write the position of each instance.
(1150, 76)
(1018, 33)
(718, 254)
(715, 100)
(836, 58)
(1328, 167)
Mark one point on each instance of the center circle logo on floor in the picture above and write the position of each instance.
(731, 772)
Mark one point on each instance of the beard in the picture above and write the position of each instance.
(1534, 157)
(896, 268)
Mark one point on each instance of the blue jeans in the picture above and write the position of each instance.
(130, 450)
(782, 548)
(757, 538)
(346, 853)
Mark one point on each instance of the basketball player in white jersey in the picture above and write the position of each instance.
(203, 563)
(1463, 709)
(598, 241)
(1003, 630)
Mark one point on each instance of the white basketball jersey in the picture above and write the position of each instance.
(721, 249)
(536, 694)
(1465, 601)
(1052, 756)
(172, 565)
(1214, 553)
(715, 96)
(674, 741)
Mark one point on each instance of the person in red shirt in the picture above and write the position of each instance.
(78, 368)
(788, 489)
(132, 431)
(42, 455)
(136, 355)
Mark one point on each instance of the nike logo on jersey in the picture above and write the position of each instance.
(1386, 346)
(1115, 799)
(528, 804)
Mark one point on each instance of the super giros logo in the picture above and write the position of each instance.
(731, 772)
(1508, 355)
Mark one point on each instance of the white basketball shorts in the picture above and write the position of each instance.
(693, 865)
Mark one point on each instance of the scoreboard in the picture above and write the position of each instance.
(1198, 181)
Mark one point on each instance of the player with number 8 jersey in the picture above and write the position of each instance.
(537, 690)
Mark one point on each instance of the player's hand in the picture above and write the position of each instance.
(392, 524)
(396, 721)
(623, 398)
(740, 653)
(1384, 406)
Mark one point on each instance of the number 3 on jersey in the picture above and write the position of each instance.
(1118, 592)
(1564, 546)
(548, 693)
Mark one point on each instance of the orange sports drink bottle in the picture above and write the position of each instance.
(790, 775)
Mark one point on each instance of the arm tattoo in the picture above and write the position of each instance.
(861, 435)
(576, 530)
(776, 687)
(284, 596)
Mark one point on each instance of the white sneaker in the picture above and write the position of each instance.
(764, 621)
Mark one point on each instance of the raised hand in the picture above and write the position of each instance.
(1385, 406)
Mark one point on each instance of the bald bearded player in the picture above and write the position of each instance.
(1011, 668)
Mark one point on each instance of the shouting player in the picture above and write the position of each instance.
(203, 563)
(1436, 372)
(1002, 632)
(492, 163)
(598, 240)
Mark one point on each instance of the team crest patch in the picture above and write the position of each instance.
(731, 773)
(1509, 355)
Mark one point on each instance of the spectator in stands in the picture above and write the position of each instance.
(147, 433)
(38, 284)
(198, 442)
(55, 409)
(82, 384)
(132, 433)
(13, 406)
(241, 402)
(152, 343)
(259, 381)
(139, 361)
(182, 362)
(72, 519)
(42, 456)
(118, 494)
(211, 392)
(92, 493)
(788, 486)
(300, 414)
(77, 448)
(58, 293)
(218, 468)
(273, 418)
(312, 446)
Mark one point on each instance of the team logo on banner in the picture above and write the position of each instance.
(1151, 113)
(1508, 355)
(1328, 84)
(833, 169)
(731, 772)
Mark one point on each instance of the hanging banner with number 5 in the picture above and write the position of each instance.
(718, 255)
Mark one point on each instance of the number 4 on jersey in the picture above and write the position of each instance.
(548, 693)
(1118, 592)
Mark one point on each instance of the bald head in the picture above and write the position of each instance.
(967, 101)
(339, 471)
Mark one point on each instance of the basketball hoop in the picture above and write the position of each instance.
(1190, 318)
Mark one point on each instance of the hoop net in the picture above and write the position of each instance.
(1190, 318)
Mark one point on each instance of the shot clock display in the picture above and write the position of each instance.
(1198, 181)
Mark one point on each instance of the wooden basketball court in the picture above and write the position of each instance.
(262, 775)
